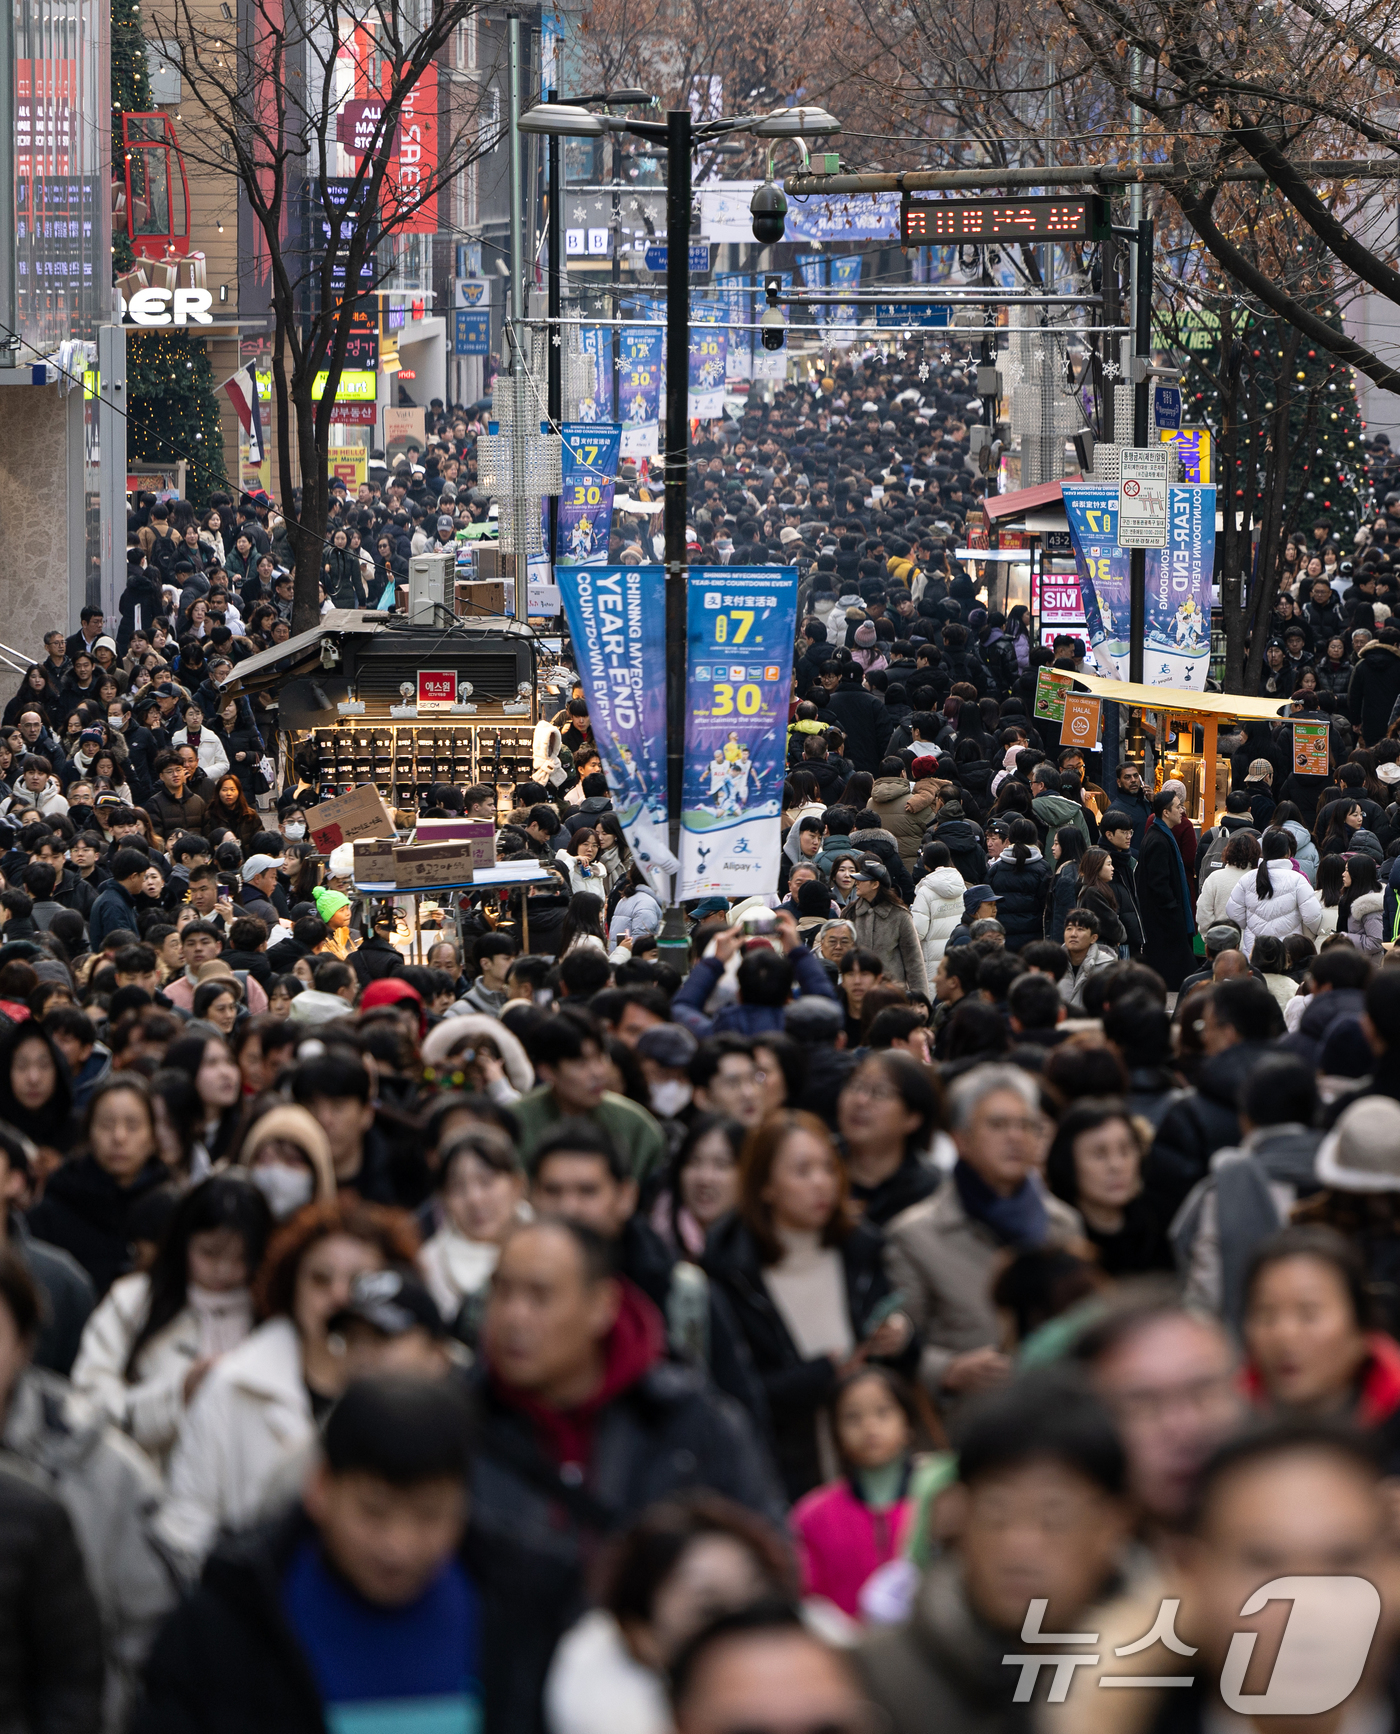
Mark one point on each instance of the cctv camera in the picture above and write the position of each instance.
(768, 208)
(771, 328)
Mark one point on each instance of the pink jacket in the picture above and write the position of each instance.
(841, 1541)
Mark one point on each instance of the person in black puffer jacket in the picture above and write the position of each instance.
(861, 717)
(964, 841)
(1021, 880)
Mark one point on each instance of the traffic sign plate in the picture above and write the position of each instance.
(1143, 474)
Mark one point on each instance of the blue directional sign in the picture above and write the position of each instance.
(655, 257)
(471, 331)
(1166, 401)
(890, 314)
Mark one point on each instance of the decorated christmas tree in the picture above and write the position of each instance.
(173, 411)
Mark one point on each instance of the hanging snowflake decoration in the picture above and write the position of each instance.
(924, 370)
(1111, 370)
(946, 357)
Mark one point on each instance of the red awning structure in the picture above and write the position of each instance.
(1023, 500)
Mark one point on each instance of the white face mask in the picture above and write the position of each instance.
(294, 831)
(669, 1097)
(285, 1189)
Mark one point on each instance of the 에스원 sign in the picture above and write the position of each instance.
(437, 688)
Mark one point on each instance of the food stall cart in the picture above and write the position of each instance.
(374, 702)
(402, 704)
(1197, 717)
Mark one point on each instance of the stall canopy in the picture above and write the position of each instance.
(1211, 709)
(1180, 702)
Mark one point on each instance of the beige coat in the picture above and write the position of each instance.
(944, 1265)
(890, 799)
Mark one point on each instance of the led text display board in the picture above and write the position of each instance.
(944, 222)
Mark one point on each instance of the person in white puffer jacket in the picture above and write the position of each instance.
(1291, 906)
(938, 903)
(1240, 861)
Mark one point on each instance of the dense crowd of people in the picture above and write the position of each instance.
(990, 1233)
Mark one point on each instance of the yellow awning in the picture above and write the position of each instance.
(1180, 702)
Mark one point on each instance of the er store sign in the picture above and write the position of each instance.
(169, 307)
(437, 688)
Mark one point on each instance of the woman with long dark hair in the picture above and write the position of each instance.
(1359, 910)
(1277, 900)
(860, 785)
(87, 1202)
(230, 807)
(146, 1349)
(1067, 847)
(1094, 890)
(205, 1116)
(583, 925)
(34, 693)
(802, 1284)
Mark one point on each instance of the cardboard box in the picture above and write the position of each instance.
(480, 834)
(424, 866)
(480, 598)
(374, 864)
(360, 813)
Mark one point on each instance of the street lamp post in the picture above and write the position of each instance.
(680, 135)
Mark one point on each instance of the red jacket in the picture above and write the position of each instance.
(1379, 1398)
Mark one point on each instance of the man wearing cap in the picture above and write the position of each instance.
(391, 1324)
(255, 895)
(979, 904)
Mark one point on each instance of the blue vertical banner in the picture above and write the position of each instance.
(590, 457)
(639, 381)
(736, 293)
(843, 321)
(1092, 510)
(740, 622)
(617, 627)
(708, 352)
(597, 343)
(1176, 646)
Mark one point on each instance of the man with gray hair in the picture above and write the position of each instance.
(943, 1253)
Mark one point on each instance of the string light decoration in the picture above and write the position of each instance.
(173, 411)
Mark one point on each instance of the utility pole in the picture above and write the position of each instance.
(615, 335)
(520, 507)
(554, 350)
(676, 449)
(1142, 387)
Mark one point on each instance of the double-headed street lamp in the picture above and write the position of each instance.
(680, 134)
